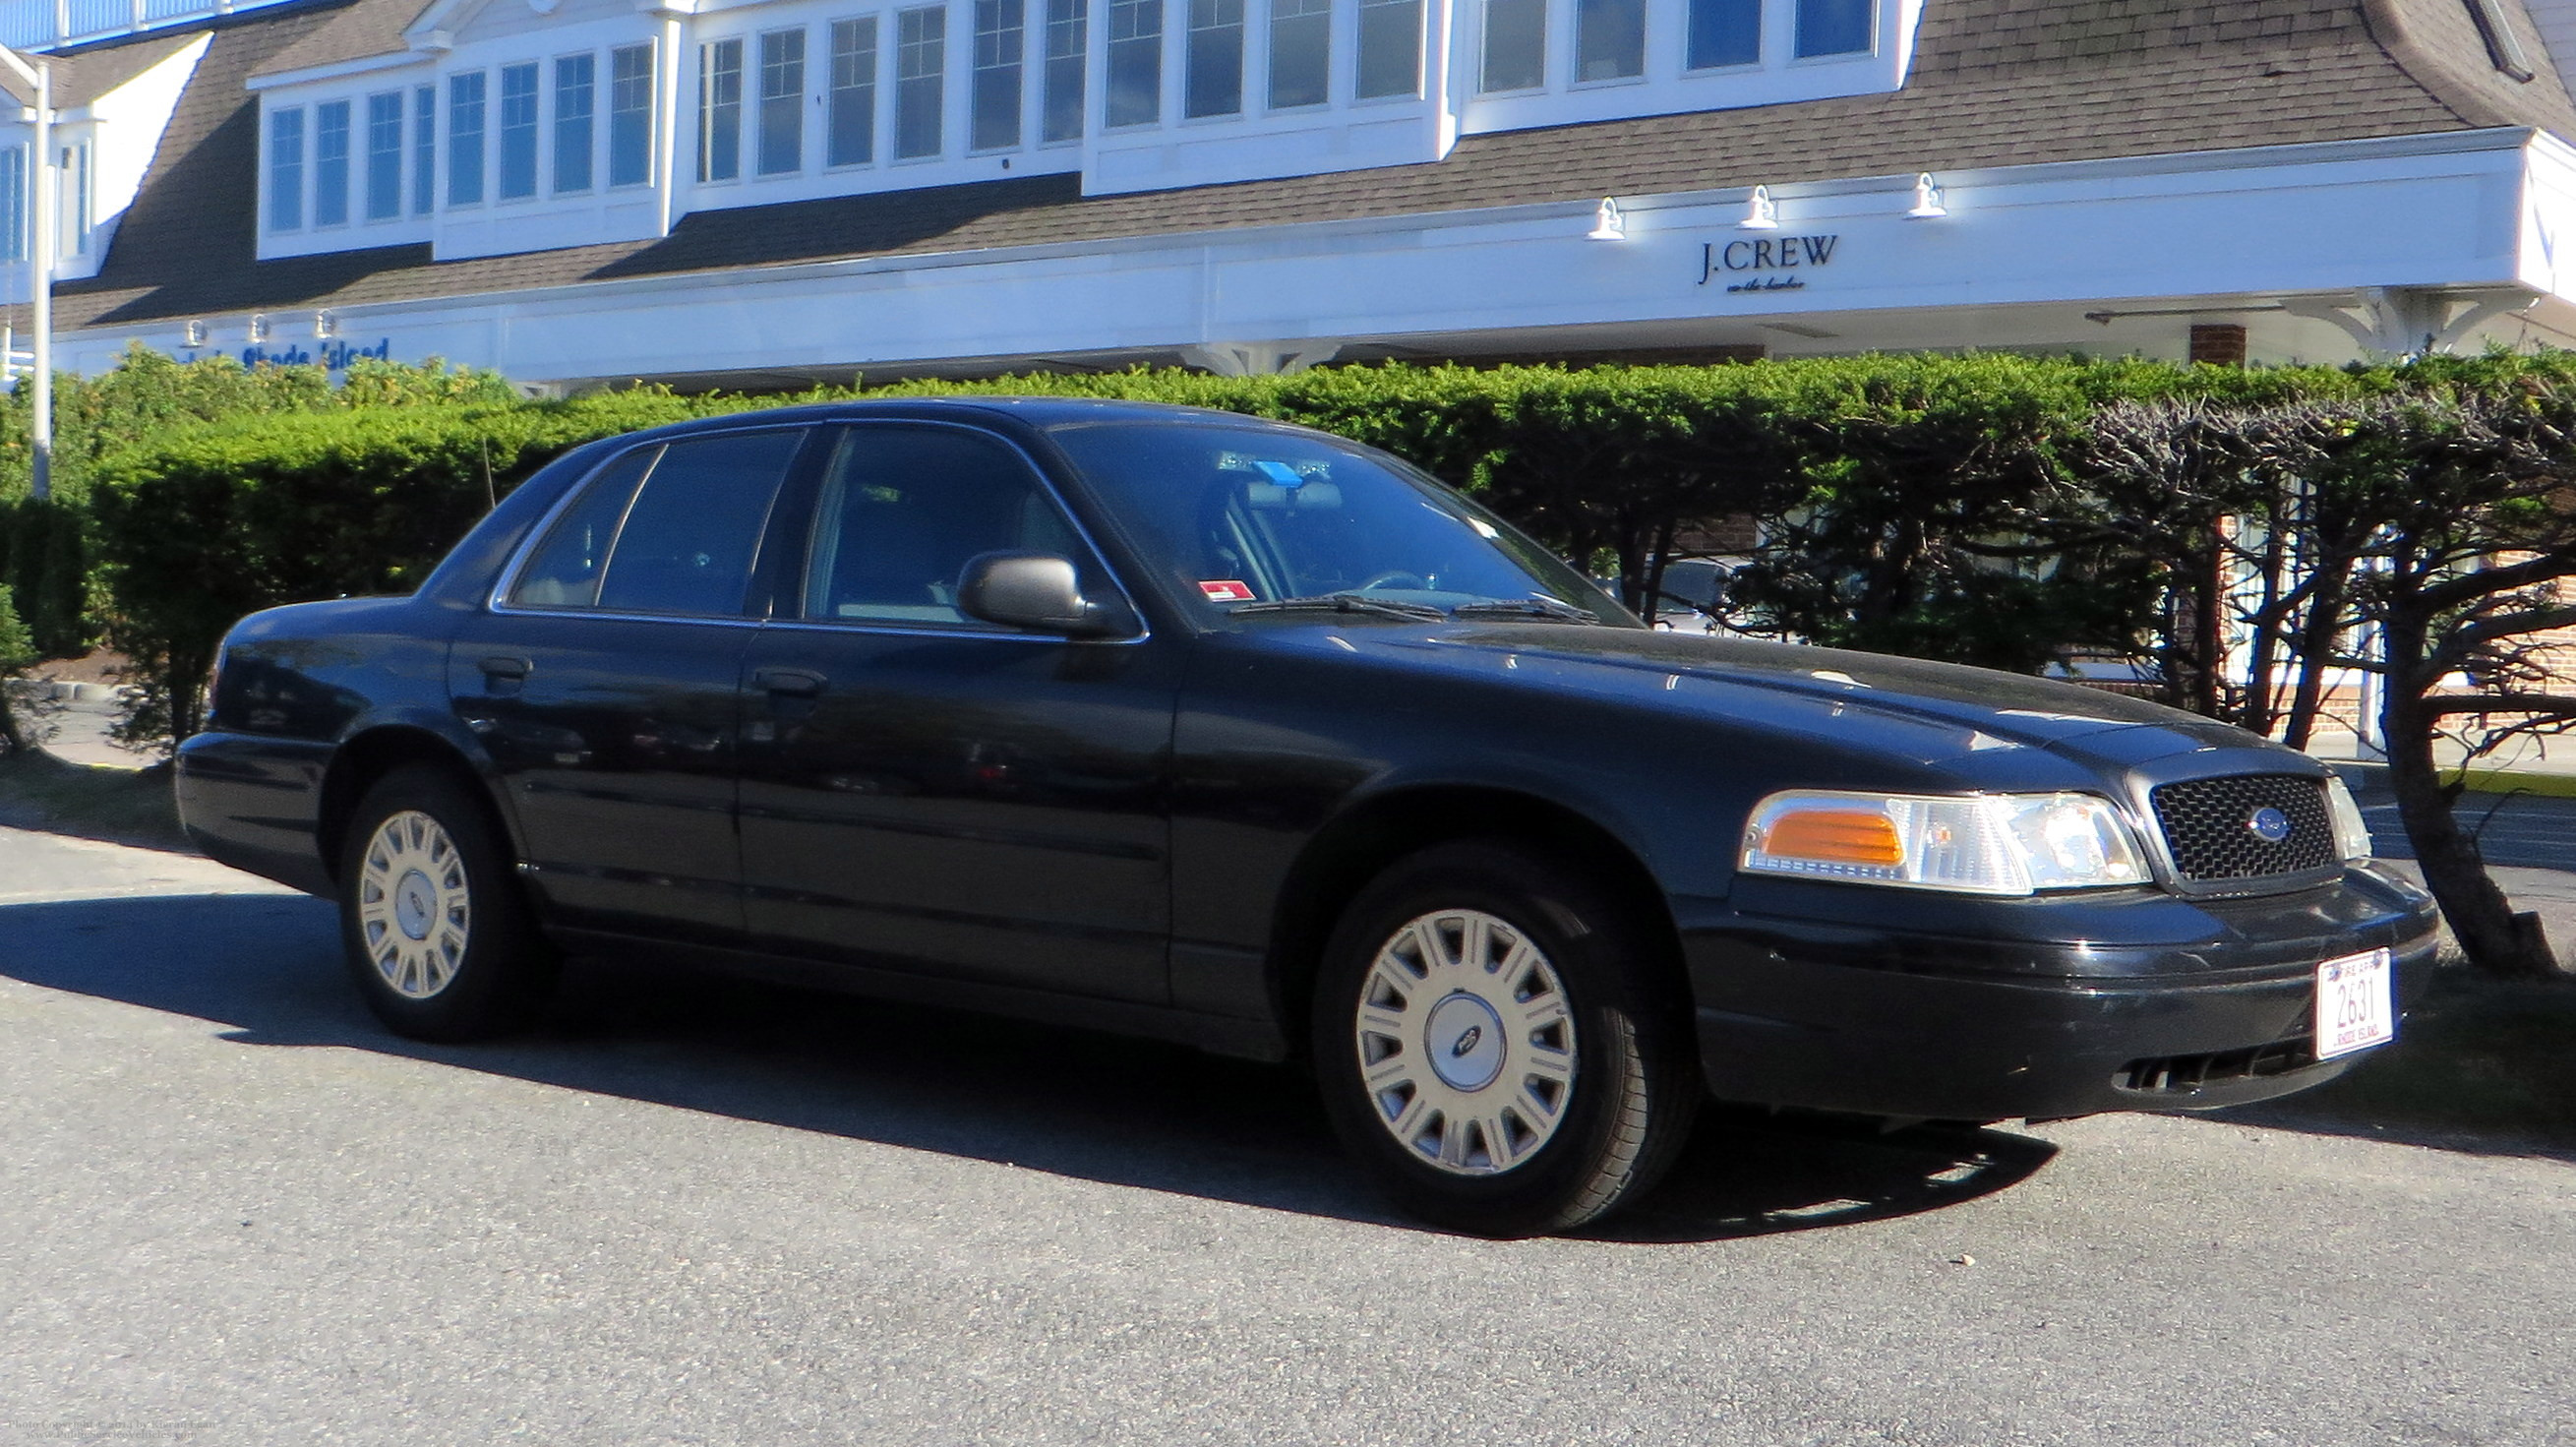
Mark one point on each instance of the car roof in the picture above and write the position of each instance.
(1040, 413)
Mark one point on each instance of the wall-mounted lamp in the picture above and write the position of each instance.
(195, 334)
(259, 326)
(326, 324)
(1761, 213)
(1607, 223)
(1929, 200)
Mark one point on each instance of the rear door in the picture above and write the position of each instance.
(932, 793)
(606, 682)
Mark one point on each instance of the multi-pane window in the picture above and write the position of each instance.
(720, 110)
(286, 169)
(1301, 52)
(630, 115)
(851, 137)
(1390, 48)
(1001, 36)
(782, 102)
(920, 54)
(576, 104)
(1723, 32)
(14, 197)
(1515, 45)
(1835, 27)
(424, 150)
(331, 163)
(1609, 39)
(465, 138)
(1068, 25)
(1135, 62)
(384, 156)
(1215, 75)
(518, 131)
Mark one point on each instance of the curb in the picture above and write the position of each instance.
(48, 690)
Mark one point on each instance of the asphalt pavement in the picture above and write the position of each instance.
(2531, 831)
(697, 1211)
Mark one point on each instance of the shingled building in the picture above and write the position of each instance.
(759, 192)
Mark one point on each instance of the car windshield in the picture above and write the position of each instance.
(1245, 519)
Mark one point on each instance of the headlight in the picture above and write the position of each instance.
(2352, 836)
(1968, 844)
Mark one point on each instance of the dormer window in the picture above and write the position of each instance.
(2504, 48)
(1836, 27)
(286, 169)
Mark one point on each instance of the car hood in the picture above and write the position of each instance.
(1938, 710)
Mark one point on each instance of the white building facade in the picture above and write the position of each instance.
(579, 192)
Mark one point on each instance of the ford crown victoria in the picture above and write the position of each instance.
(1183, 724)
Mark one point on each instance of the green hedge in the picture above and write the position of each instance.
(1959, 507)
(219, 521)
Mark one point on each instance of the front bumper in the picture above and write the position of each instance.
(1883, 1002)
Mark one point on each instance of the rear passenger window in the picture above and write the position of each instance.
(565, 572)
(904, 509)
(682, 543)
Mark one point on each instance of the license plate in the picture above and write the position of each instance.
(2354, 1004)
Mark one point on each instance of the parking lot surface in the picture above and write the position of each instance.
(234, 1211)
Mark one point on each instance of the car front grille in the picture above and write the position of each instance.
(2186, 1074)
(2210, 826)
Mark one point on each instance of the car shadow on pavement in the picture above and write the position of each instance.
(1067, 1102)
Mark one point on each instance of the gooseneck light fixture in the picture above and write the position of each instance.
(1607, 223)
(1929, 199)
(1761, 213)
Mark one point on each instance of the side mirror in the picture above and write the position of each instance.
(1031, 590)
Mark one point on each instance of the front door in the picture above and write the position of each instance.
(607, 685)
(924, 791)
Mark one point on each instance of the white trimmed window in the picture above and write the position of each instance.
(720, 110)
(851, 119)
(286, 169)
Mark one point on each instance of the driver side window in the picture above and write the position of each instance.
(905, 508)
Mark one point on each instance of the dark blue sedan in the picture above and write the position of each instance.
(1192, 726)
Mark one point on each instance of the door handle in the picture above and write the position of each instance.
(789, 682)
(509, 668)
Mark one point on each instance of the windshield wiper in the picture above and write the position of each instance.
(1535, 609)
(1345, 603)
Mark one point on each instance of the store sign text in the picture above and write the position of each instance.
(334, 356)
(1774, 260)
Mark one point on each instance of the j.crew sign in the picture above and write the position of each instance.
(1768, 263)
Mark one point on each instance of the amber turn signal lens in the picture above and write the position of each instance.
(1835, 836)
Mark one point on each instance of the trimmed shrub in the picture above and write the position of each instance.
(216, 522)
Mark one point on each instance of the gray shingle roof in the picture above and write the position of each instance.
(1995, 83)
(355, 32)
(83, 76)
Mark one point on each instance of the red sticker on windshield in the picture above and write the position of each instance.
(1226, 590)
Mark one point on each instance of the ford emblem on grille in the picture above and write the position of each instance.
(2269, 824)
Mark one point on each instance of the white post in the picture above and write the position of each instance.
(41, 176)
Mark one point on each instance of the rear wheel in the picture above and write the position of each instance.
(437, 934)
(1499, 1044)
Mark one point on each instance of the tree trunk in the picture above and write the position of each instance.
(2496, 940)
(2316, 648)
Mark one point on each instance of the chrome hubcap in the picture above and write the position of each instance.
(1465, 1042)
(414, 910)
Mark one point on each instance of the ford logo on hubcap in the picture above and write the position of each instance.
(2269, 824)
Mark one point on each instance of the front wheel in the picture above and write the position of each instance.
(437, 935)
(1499, 1043)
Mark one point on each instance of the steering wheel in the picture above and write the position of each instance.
(1391, 579)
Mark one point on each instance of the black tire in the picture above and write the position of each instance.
(481, 970)
(1633, 1080)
